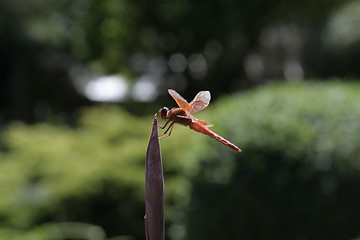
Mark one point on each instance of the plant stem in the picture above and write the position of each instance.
(154, 196)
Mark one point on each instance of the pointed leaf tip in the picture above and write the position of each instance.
(154, 199)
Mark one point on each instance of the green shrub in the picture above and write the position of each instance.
(93, 173)
(298, 177)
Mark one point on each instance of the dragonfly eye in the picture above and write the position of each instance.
(163, 112)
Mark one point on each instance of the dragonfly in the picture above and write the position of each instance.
(182, 115)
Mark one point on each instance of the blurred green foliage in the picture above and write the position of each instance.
(336, 50)
(230, 45)
(298, 176)
(92, 173)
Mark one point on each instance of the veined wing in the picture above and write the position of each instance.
(203, 123)
(198, 121)
(201, 101)
(181, 102)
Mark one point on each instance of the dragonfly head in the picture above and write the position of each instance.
(164, 113)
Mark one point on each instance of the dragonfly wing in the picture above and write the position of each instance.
(198, 121)
(186, 117)
(181, 102)
(201, 101)
(203, 123)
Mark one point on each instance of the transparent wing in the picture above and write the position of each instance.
(181, 102)
(203, 123)
(201, 101)
(198, 121)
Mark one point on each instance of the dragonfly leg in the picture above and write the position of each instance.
(162, 127)
(164, 135)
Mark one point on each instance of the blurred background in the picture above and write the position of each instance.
(79, 84)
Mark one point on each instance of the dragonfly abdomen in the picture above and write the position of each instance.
(210, 133)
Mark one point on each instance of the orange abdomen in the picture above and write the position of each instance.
(206, 131)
